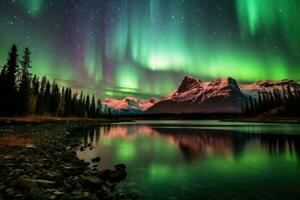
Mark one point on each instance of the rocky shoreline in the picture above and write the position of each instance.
(38, 161)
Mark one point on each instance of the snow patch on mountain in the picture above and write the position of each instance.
(268, 85)
(195, 96)
(222, 95)
(129, 105)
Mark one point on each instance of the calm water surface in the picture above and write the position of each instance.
(201, 159)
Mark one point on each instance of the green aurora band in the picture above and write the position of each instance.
(148, 46)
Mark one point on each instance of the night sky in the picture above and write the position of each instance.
(143, 48)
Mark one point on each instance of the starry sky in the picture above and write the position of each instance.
(143, 48)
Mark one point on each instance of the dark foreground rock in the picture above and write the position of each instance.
(40, 162)
(97, 159)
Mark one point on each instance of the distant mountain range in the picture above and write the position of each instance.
(130, 105)
(195, 96)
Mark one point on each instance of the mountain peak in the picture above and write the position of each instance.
(223, 81)
(129, 105)
(226, 83)
(188, 83)
(194, 96)
(128, 98)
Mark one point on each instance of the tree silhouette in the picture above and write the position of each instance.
(22, 94)
(2, 89)
(10, 82)
(93, 107)
(99, 108)
(24, 87)
(87, 106)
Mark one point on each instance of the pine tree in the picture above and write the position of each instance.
(54, 99)
(81, 105)
(99, 108)
(251, 106)
(2, 90)
(24, 87)
(246, 107)
(46, 109)
(272, 99)
(74, 110)
(109, 113)
(68, 102)
(259, 103)
(87, 106)
(61, 106)
(66, 98)
(34, 94)
(277, 97)
(93, 107)
(41, 100)
(10, 87)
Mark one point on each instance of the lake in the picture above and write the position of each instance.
(201, 159)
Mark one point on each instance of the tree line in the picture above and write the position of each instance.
(22, 93)
(285, 102)
(25, 94)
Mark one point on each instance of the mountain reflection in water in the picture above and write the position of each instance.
(194, 144)
(250, 161)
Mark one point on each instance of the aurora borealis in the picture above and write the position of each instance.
(143, 48)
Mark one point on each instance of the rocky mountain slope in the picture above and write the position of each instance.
(195, 96)
(192, 95)
(129, 105)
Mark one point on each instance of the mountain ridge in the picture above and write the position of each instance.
(195, 96)
(223, 95)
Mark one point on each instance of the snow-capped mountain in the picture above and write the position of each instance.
(223, 95)
(195, 96)
(268, 85)
(129, 105)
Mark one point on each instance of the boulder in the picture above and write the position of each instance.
(92, 182)
(120, 167)
(117, 176)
